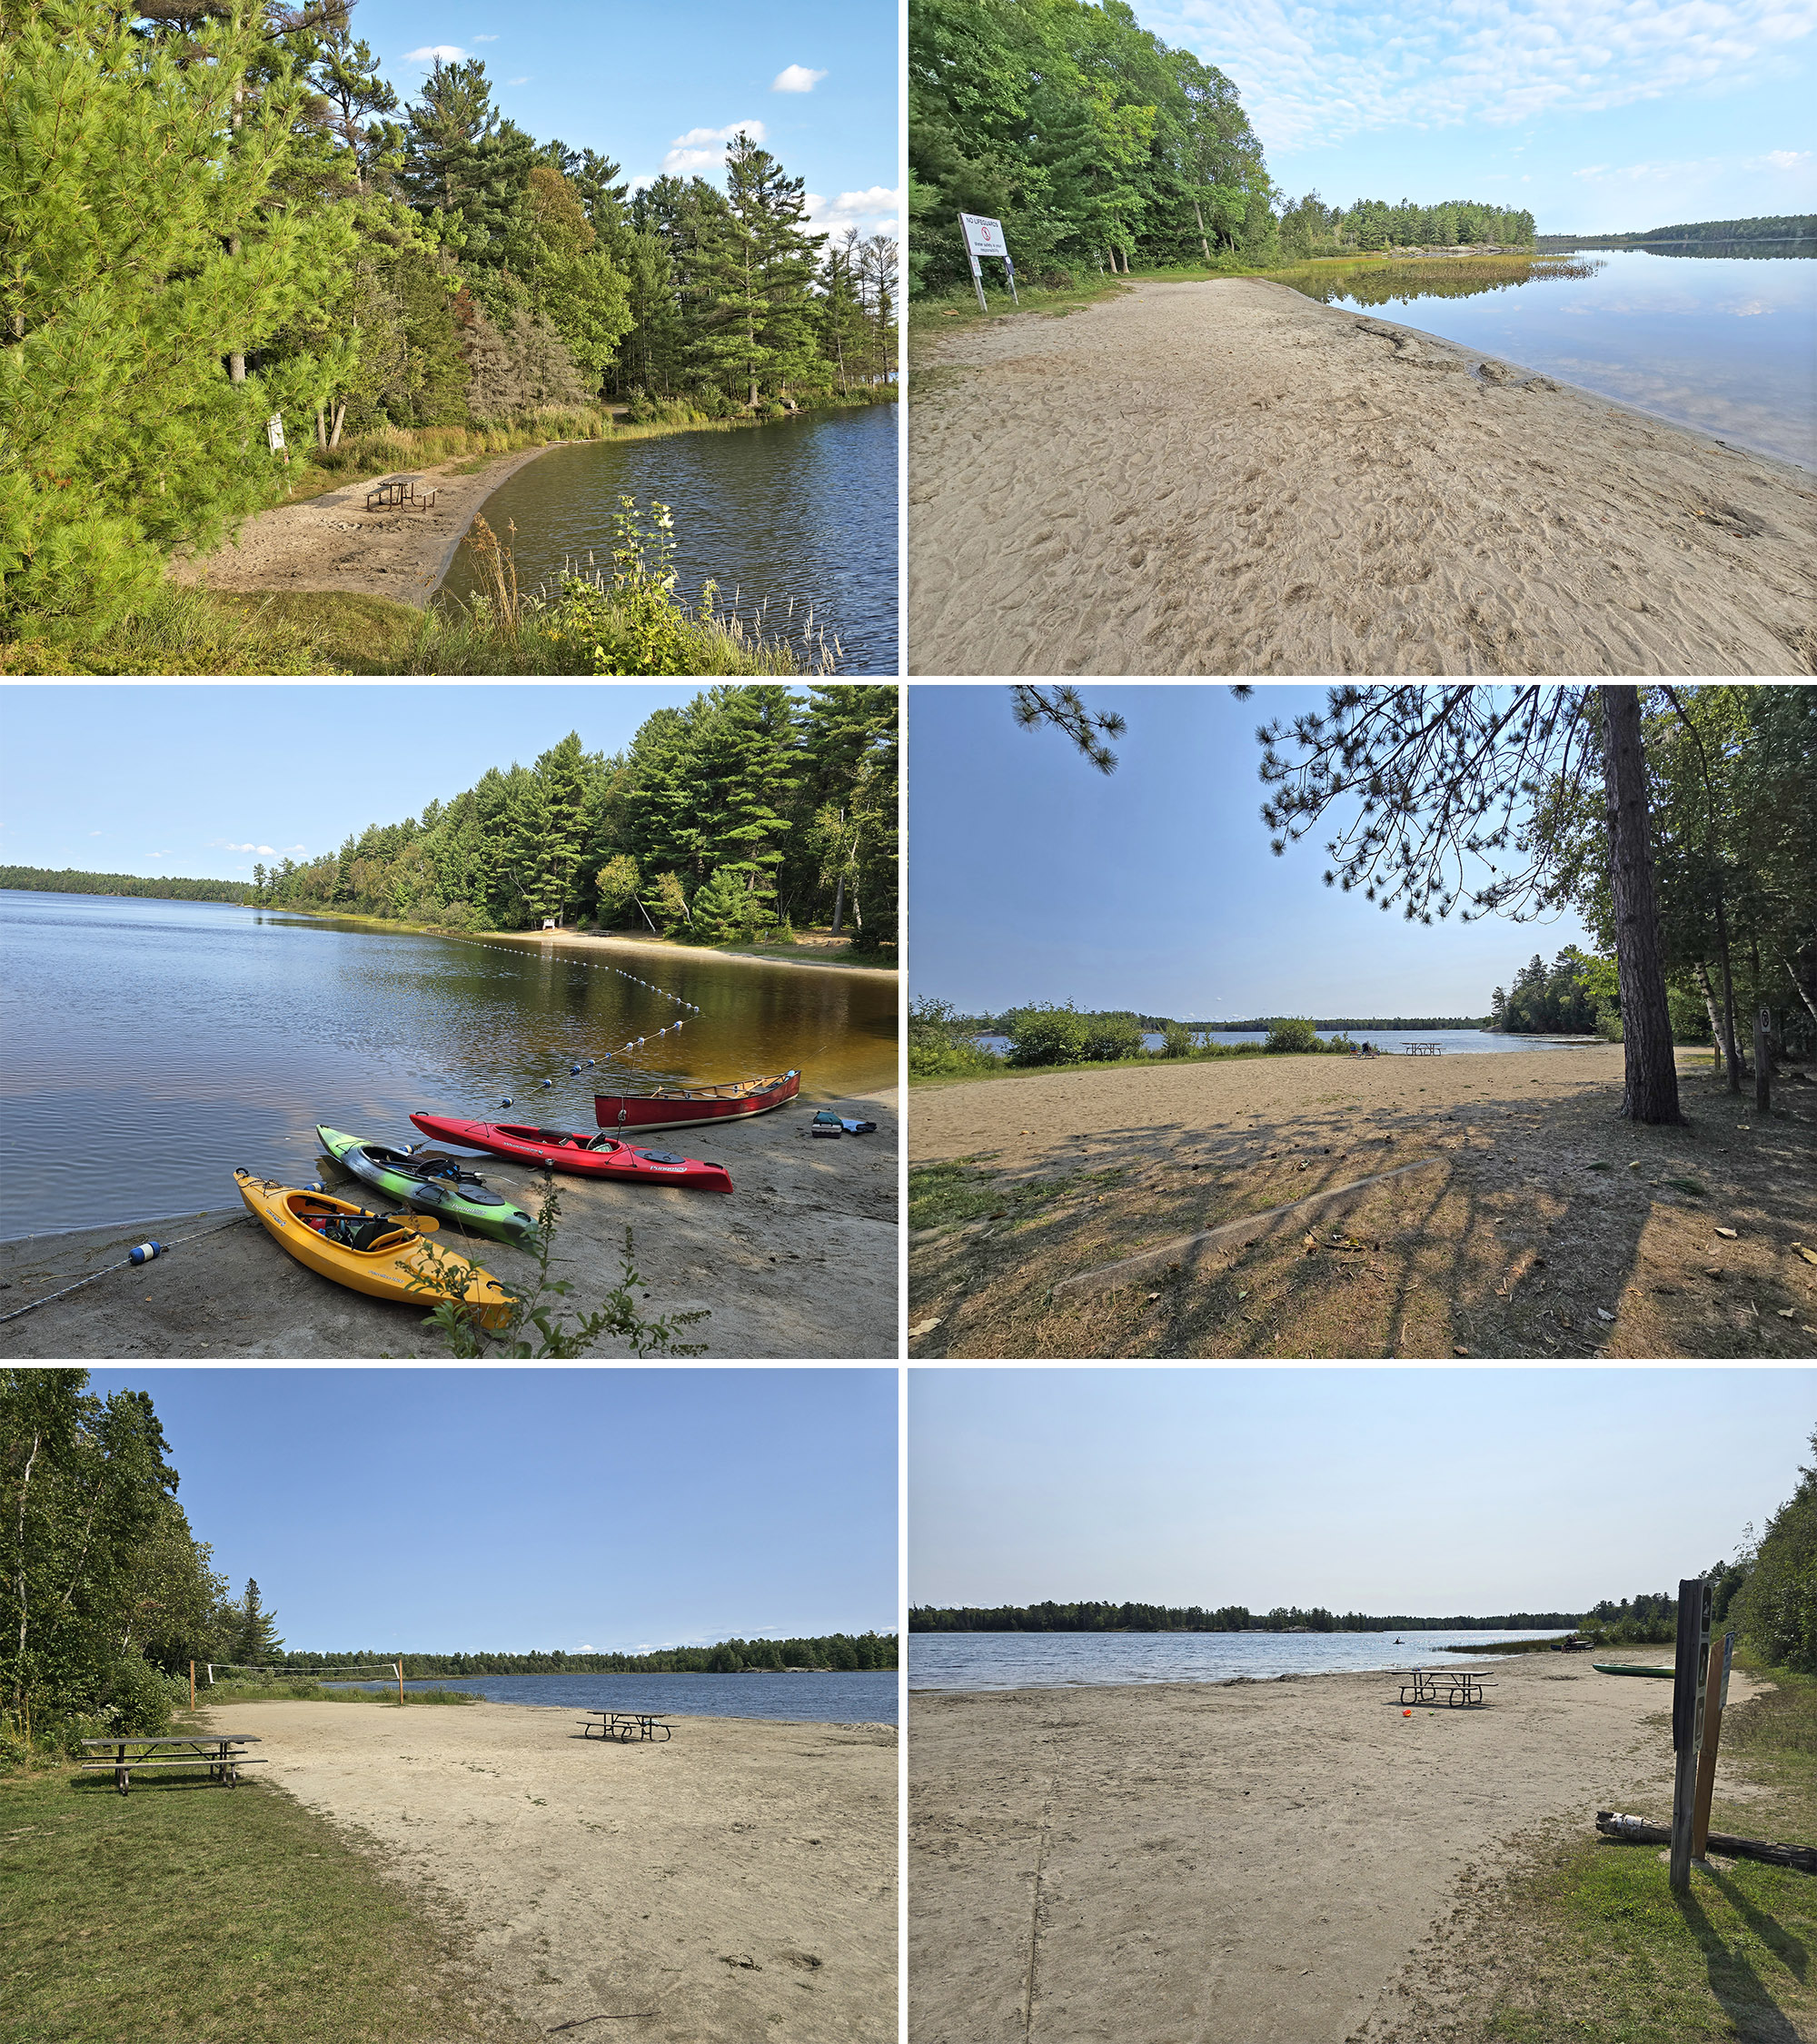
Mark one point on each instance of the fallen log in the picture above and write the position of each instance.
(1636, 1830)
(1234, 1234)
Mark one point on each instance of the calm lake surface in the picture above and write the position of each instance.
(152, 1046)
(793, 518)
(1724, 343)
(862, 1696)
(1065, 1660)
(1383, 1039)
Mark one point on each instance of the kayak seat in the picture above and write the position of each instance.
(356, 1231)
(554, 1135)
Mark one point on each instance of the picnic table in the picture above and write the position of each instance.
(626, 1726)
(219, 1752)
(1425, 1047)
(399, 492)
(1456, 1687)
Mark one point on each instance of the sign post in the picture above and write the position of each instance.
(1690, 1691)
(1721, 1659)
(985, 237)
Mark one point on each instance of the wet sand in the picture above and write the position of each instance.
(737, 1882)
(1234, 1863)
(1229, 478)
(1539, 1223)
(799, 1260)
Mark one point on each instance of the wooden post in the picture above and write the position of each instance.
(191, 1685)
(1762, 1060)
(1723, 1655)
(400, 1669)
(1691, 1675)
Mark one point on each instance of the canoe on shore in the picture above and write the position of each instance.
(1633, 1668)
(377, 1254)
(588, 1156)
(695, 1107)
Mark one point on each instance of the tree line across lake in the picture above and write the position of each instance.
(217, 216)
(746, 811)
(1089, 1617)
(1095, 142)
(110, 1597)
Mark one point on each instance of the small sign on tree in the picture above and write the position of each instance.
(274, 432)
(984, 237)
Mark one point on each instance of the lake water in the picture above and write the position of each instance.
(1384, 1040)
(861, 1696)
(1723, 343)
(152, 1046)
(791, 518)
(973, 1661)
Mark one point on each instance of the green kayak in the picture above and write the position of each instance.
(433, 1183)
(1633, 1668)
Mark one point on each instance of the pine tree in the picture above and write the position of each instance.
(256, 1642)
(756, 324)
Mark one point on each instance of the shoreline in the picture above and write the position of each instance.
(801, 1261)
(1253, 1860)
(735, 1880)
(1228, 477)
(330, 544)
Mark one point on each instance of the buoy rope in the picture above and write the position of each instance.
(126, 1264)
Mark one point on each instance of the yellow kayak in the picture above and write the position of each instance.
(373, 1252)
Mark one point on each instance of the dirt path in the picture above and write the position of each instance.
(1546, 1226)
(335, 543)
(800, 1260)
(736, 1883)
(1226, 476)
(1236, 1863)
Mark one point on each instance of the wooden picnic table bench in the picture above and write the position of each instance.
(626, 1725)
(1458, 1687)
(399, 492)
(219, 1752)
(1425, 1049)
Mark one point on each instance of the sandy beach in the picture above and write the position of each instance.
(1234, 1863)
(800, 1260)
(735, 1883)
(333, 543)
(1229, 478)
(1538, 1223)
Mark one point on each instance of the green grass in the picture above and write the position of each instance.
(947, 1194)
(223, 1694)
(193, 1914)
(1611, 1955)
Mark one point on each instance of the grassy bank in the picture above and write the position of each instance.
(219, 1696)
(185, 1913)
(1588, 1942)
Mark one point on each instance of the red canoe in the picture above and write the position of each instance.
(592, 1156)
(693, 1106)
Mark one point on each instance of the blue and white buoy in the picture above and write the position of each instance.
(147, 1251)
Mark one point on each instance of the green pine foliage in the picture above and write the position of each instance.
(41, 879)
(708, 826)
(211, 215)
(1776, 1604)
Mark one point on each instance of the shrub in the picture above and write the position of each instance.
(1047, 1035)
(1292, 1032)
(725, 909)
(944, 1043)
(1176, 1040)
(1109, 1036)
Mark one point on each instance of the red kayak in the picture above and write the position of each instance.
(693, 1106)
(593, 1156)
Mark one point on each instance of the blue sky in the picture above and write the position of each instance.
(664, 88)
(436, 1511)
(1033, 877)
(1267, 1487)
(203, 781)
(1597, 115)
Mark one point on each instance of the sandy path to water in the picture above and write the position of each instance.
(1228, 478)
(1236, 1863)
(738, 1883)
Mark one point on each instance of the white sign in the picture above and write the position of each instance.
(275, 432)
(982, 236)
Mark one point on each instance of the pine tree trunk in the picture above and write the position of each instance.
(1804, 993)
(1200, 216)
(1730, 1042)
(1650, 1088)
(838, 904)
(340, 421)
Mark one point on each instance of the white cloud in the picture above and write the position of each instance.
(485, 38)
(95, 833)
(517, 81)
(705, 148)
(227, 844)
(797, 78)
(877, 211)
(1784, 158)
(1646, 173)
(449, 53)
(1315, 73)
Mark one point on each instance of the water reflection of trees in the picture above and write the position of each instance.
(1379, 283)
